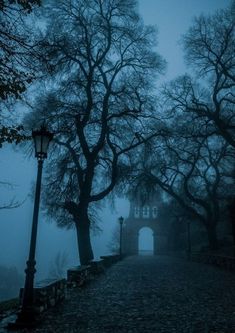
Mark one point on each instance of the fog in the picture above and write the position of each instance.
(172, 19)
(15, 226)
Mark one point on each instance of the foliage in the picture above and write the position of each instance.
(26, 6)
(12, 134)
(15, 66)
(16, 69)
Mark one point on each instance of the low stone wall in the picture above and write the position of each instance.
(48, 293)
(97, 266)
(79, 275)
(224, 262)
(110, 260)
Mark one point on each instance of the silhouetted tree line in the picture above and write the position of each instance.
(194, 164)
(95, 70)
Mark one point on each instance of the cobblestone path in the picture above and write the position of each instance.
(149, 294)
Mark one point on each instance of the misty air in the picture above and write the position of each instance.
(117, 177)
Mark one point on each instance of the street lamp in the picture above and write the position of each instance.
(26, 316)
(189, 239)
(121, 219)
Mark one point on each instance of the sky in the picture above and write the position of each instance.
(172, 18)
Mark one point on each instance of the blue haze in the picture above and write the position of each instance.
(172, 17)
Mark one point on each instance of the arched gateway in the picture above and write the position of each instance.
(144, 214)
(146, 243)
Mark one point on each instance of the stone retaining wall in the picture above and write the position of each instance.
(48, 293)
(110, 260)
(79, 275)
(97, 266)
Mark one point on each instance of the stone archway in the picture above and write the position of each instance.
(146, 241)
(144, 216)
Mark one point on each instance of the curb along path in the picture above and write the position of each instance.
(148, 294)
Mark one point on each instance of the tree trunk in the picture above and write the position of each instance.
(82, 223)
(212, 237)
(231, 208)
(84, 242)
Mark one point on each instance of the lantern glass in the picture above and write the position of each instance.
(42, 139)
(121, 219)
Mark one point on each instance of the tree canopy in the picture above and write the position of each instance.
(103, 65)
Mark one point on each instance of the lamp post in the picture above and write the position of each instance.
(189, 239)
(26, 316)
(121, 219)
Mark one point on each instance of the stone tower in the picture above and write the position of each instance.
(144, 213)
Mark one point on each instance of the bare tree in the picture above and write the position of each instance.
(9, 203)
(196, 164)
(196, 172)
(209, 48)
(103, 65)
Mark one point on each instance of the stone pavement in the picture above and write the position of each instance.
(146, 295)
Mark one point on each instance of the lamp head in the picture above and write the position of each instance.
(41, 139)
(121, 219)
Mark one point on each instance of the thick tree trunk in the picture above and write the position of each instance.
(82, 223)
(212, 237)
(233, 233)
(231, 208)
(84, 243)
